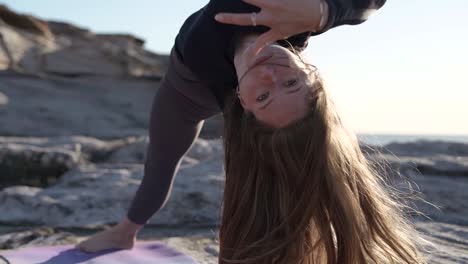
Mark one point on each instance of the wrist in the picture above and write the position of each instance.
(322, 19)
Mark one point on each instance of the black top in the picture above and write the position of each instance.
(207, 46)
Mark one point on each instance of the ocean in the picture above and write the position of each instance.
(383, 139)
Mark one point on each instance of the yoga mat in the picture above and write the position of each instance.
(142, 253)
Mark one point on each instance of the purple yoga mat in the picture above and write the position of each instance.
(142, 253)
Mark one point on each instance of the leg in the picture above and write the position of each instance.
(179, 108)
(176, 122)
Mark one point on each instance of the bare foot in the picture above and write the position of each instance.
(121, 236)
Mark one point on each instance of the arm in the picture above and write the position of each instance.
(349, 12)
(294, 17)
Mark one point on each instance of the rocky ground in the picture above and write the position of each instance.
(74, 111)
(86, 196)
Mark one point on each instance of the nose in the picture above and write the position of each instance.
(267, 73)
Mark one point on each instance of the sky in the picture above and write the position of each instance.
(404, 71)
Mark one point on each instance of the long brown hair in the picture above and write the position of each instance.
(307, 194)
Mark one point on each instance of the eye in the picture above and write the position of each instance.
(291, 82)
(263, 97)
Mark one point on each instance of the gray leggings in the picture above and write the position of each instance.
(180, 106)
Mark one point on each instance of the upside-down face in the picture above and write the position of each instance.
(273, 85)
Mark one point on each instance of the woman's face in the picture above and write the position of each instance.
(272, 85)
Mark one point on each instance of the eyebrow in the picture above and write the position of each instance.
(290, 92)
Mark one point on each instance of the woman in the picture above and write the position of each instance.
(298, 188)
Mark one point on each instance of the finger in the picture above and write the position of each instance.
(264, 40)
(240, 19)
(234, 19)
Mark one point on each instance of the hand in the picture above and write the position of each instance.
(285, 18)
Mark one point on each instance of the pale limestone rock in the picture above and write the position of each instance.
(3, 100)
(39, 47)
(136, 152)
(36, 237)
(100, 107)
(94, 195)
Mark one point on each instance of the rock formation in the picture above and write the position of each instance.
(57, 79)
(35, 46)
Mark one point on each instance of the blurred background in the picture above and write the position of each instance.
(77, 79)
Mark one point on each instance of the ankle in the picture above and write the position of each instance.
(128, 227)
